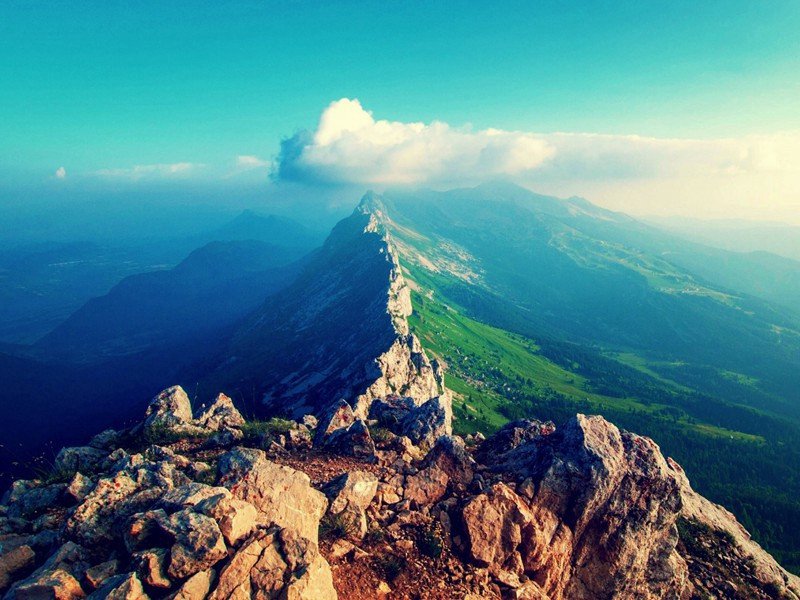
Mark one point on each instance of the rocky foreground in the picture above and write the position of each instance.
(388, 506)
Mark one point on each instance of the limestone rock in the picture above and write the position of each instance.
(121, 587)
(170, 409)
(189, 495)
(427, 423)
(98, 574)
(236, 518)
(58, 585)
(198, 543)
(220, 415)
(276, 564)
(79, 487)
(354, 440)
(151, 566)
(85, 458)
(197, 586)
(15, 562)
(281, 495)
(350, 494)
(447, 462)
(508, 437)
(337, 416)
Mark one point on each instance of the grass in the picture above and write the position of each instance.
(488, 367)
(274, 426)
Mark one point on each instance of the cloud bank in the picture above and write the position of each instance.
(156, 171)
(350, 146)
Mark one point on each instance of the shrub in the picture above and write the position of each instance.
(335, 526)
(430, 543)
(391, 566)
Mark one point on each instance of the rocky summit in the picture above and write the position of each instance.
(390, 506)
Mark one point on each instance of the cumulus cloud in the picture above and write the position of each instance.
(61, 173)
(350, 146)
(156, 171)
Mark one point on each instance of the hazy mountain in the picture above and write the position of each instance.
(208, 291)
(737, 235)
(43, 283)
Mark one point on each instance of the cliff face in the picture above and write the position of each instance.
(339, 331)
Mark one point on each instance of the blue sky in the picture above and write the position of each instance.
(106, 87)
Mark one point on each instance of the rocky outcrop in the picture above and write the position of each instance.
(141, 527)
(582, 512)
(222, 414)
(594, 515)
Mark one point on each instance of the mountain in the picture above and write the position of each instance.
(735, 235)
(484, 306)
(211, 289)
(273, 229)
(539, 266)
(543, 308)
(338, 330)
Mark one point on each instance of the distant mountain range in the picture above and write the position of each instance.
(534, 306)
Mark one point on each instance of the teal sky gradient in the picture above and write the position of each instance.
(109, 84)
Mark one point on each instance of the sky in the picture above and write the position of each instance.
(652, 108)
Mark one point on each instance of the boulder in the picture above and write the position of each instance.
(15, 562)
(27, 499)
(170, 409)
(104, 513)
(601, 522)
(121, 587)
(425, 424)
(508, 437)
(189, 495)
(151, 566)
(282, 495)
(277, 563)
(447, 463)
(78, 488)
(197, 586)
(98, 574)
(350, 494)
(222, 414)
(236, 518)
(80, 458)
(338, 415)
(354, 440)
(57, 584)
(391, 410)
(198, 543)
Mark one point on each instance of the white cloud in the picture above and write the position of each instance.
(156, 171)
(747, 176)
(245, 161)
(61, 173)
(350, 146)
